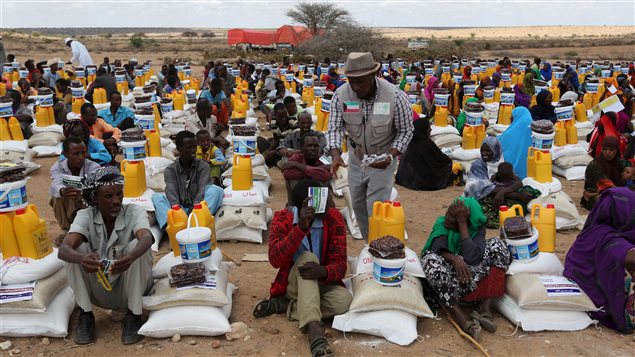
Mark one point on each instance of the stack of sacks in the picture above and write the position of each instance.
(48, 311)
(46, 141)
(584, 129)
(570, 161)
(446, 136)
(155, 167)
(385, 311)
(18, 152)
(567, 216)
(539, 301)
(202, 310)
(244, 214)
(174, 122)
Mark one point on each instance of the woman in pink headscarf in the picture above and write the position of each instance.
(428, 92)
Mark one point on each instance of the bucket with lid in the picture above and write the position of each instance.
(195, 242)
(441, 100)
(558, 75)
(146, 122)
(446, 69)
(6, 109)
(46, 69)
(133, 150)
(429, 71)
(506, 76)
(302, 67)
(120, 77)
(13, 195)
(410, 79)
(91, 70)
(24, 73)
(488, 92)
(45, 100)
(80, 73)
(77, 92)
(583, 70)
(326, 102)
(413, 98)
(138, 72)
(564, 113)
(617, 68)
(474, 118)
(187, 71)
(341, 65)
(289, 77)
(7, 69)
(469, 89)
(458, 78)
(319, 88)
(310, 70)
(307, 82)
(524, 250)
(507, 98)
(606, 73)
(389, 272)
(476, 69)
(167, 105)
(191, 95)
(244, 145)
(542, 141)
(592, 87)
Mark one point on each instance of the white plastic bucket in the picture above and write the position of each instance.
(540, 89)
(524, 250)
(326, 105)
(45, 100)
(558, 74)
(244, 145)
(195, 243)
(46, 70)
(289, 77)
(146, 122)
(458, 78)
(319, 91)
(282, 71)
(476, 69)
(507, 98)
(120, 78)
(606, 73)
(441, 100)
(488, 93)
(80, 73)
(6, 110)
(133, 150)
(617, 68)
(188, 72)
(310, 70)
(13, 196)
(167, 107)
(389, 272)
(542, 141)
(583, 70)
(302, 67)
(138, 72)
(446, 69)
(410, 79)
(91, 71)
(474, 118)
(564, 113)
(506, 76)
(77, 92)
(429, 71)
(191, 94)
(307, 83)
(592, 87)
(24, 73)
(469, 89)
(7, 69)
(413, 98)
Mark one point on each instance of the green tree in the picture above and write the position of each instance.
(318, 17)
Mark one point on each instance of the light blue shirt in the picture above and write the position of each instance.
(122, 113)
(207, 94)
(97, 152)
(315, 244)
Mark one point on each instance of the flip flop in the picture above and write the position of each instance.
(321, 348)
(485, 320)
(473, 329)
(269, 307)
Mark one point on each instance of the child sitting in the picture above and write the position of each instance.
(210, 154)
(505, 176)
(628, 176)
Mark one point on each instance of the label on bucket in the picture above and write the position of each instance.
(564, 113)
(446, 69)
(592, 87)
(558, 75)
(474, 118)
(145, 123)
(429, 71)
(469, 90)
(542, 144)
(524, 252)
(46, 100)
(80, 74)
(77, 92)
(441, 100)
(319, 91)
(476, 69)
(326, 105)
(458, 78)
(193, 251)
(387, 276)
(244, 145)
(488, 94)
(14, 198)
(6, 111)
(507, 98)
(134, 153)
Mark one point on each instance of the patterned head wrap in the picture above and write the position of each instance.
(105, 176)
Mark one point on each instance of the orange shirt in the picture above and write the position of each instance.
(100, 127)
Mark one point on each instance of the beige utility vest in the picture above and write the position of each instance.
(373, 134)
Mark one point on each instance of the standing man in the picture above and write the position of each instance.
(80, 53)
(378, 119)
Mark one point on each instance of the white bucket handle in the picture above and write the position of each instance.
(5, 193)
(245, 144)
(189, 218)
(400, 272)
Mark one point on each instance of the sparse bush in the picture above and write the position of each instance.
(458, 42)
(488, 46)
(35, 34)
(189, 34)
(106, 35)
(570, 54)
(473, 35)
(208, 35)
(343, 39)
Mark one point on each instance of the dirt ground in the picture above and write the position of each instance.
(437, 337)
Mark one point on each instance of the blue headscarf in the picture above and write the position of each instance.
(516, 140)
(545, 73)
(479, 183)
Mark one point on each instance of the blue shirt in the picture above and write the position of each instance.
(207, 94)
(315, 244)
(122, 113)
(96, 152)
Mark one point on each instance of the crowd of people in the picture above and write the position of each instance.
(372, 116)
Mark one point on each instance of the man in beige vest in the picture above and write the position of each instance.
(378, 120)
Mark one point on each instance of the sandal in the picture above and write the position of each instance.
(321, 348)
(473, 329)
(277, 305)
(485, 320)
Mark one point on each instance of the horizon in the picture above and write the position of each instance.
(249, 13)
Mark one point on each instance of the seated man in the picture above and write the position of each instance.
(21, 112)
(274, 97)
(102, 80)
(187, 182)
(293, 108)
(117, 115)
(309, 250)
(306, 165)
(202, 119)
(120, 233)
(99, 129)
(97, 152)
(283, 128)
(292, 144)
(221, 107)
(67, 200)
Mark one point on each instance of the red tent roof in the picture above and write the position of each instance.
(285, 34)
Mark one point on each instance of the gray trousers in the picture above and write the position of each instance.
(367, 186)
(127, 288)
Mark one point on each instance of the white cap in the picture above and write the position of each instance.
(73, 116)
(67, 39)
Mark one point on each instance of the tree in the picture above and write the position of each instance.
(318, 17)
(339, 41)
(189, 34)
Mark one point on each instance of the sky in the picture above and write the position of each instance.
(270, 13)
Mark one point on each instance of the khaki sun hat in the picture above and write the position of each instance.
(359, 64)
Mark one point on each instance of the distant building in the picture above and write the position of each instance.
(284, 37)
(418, 43)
